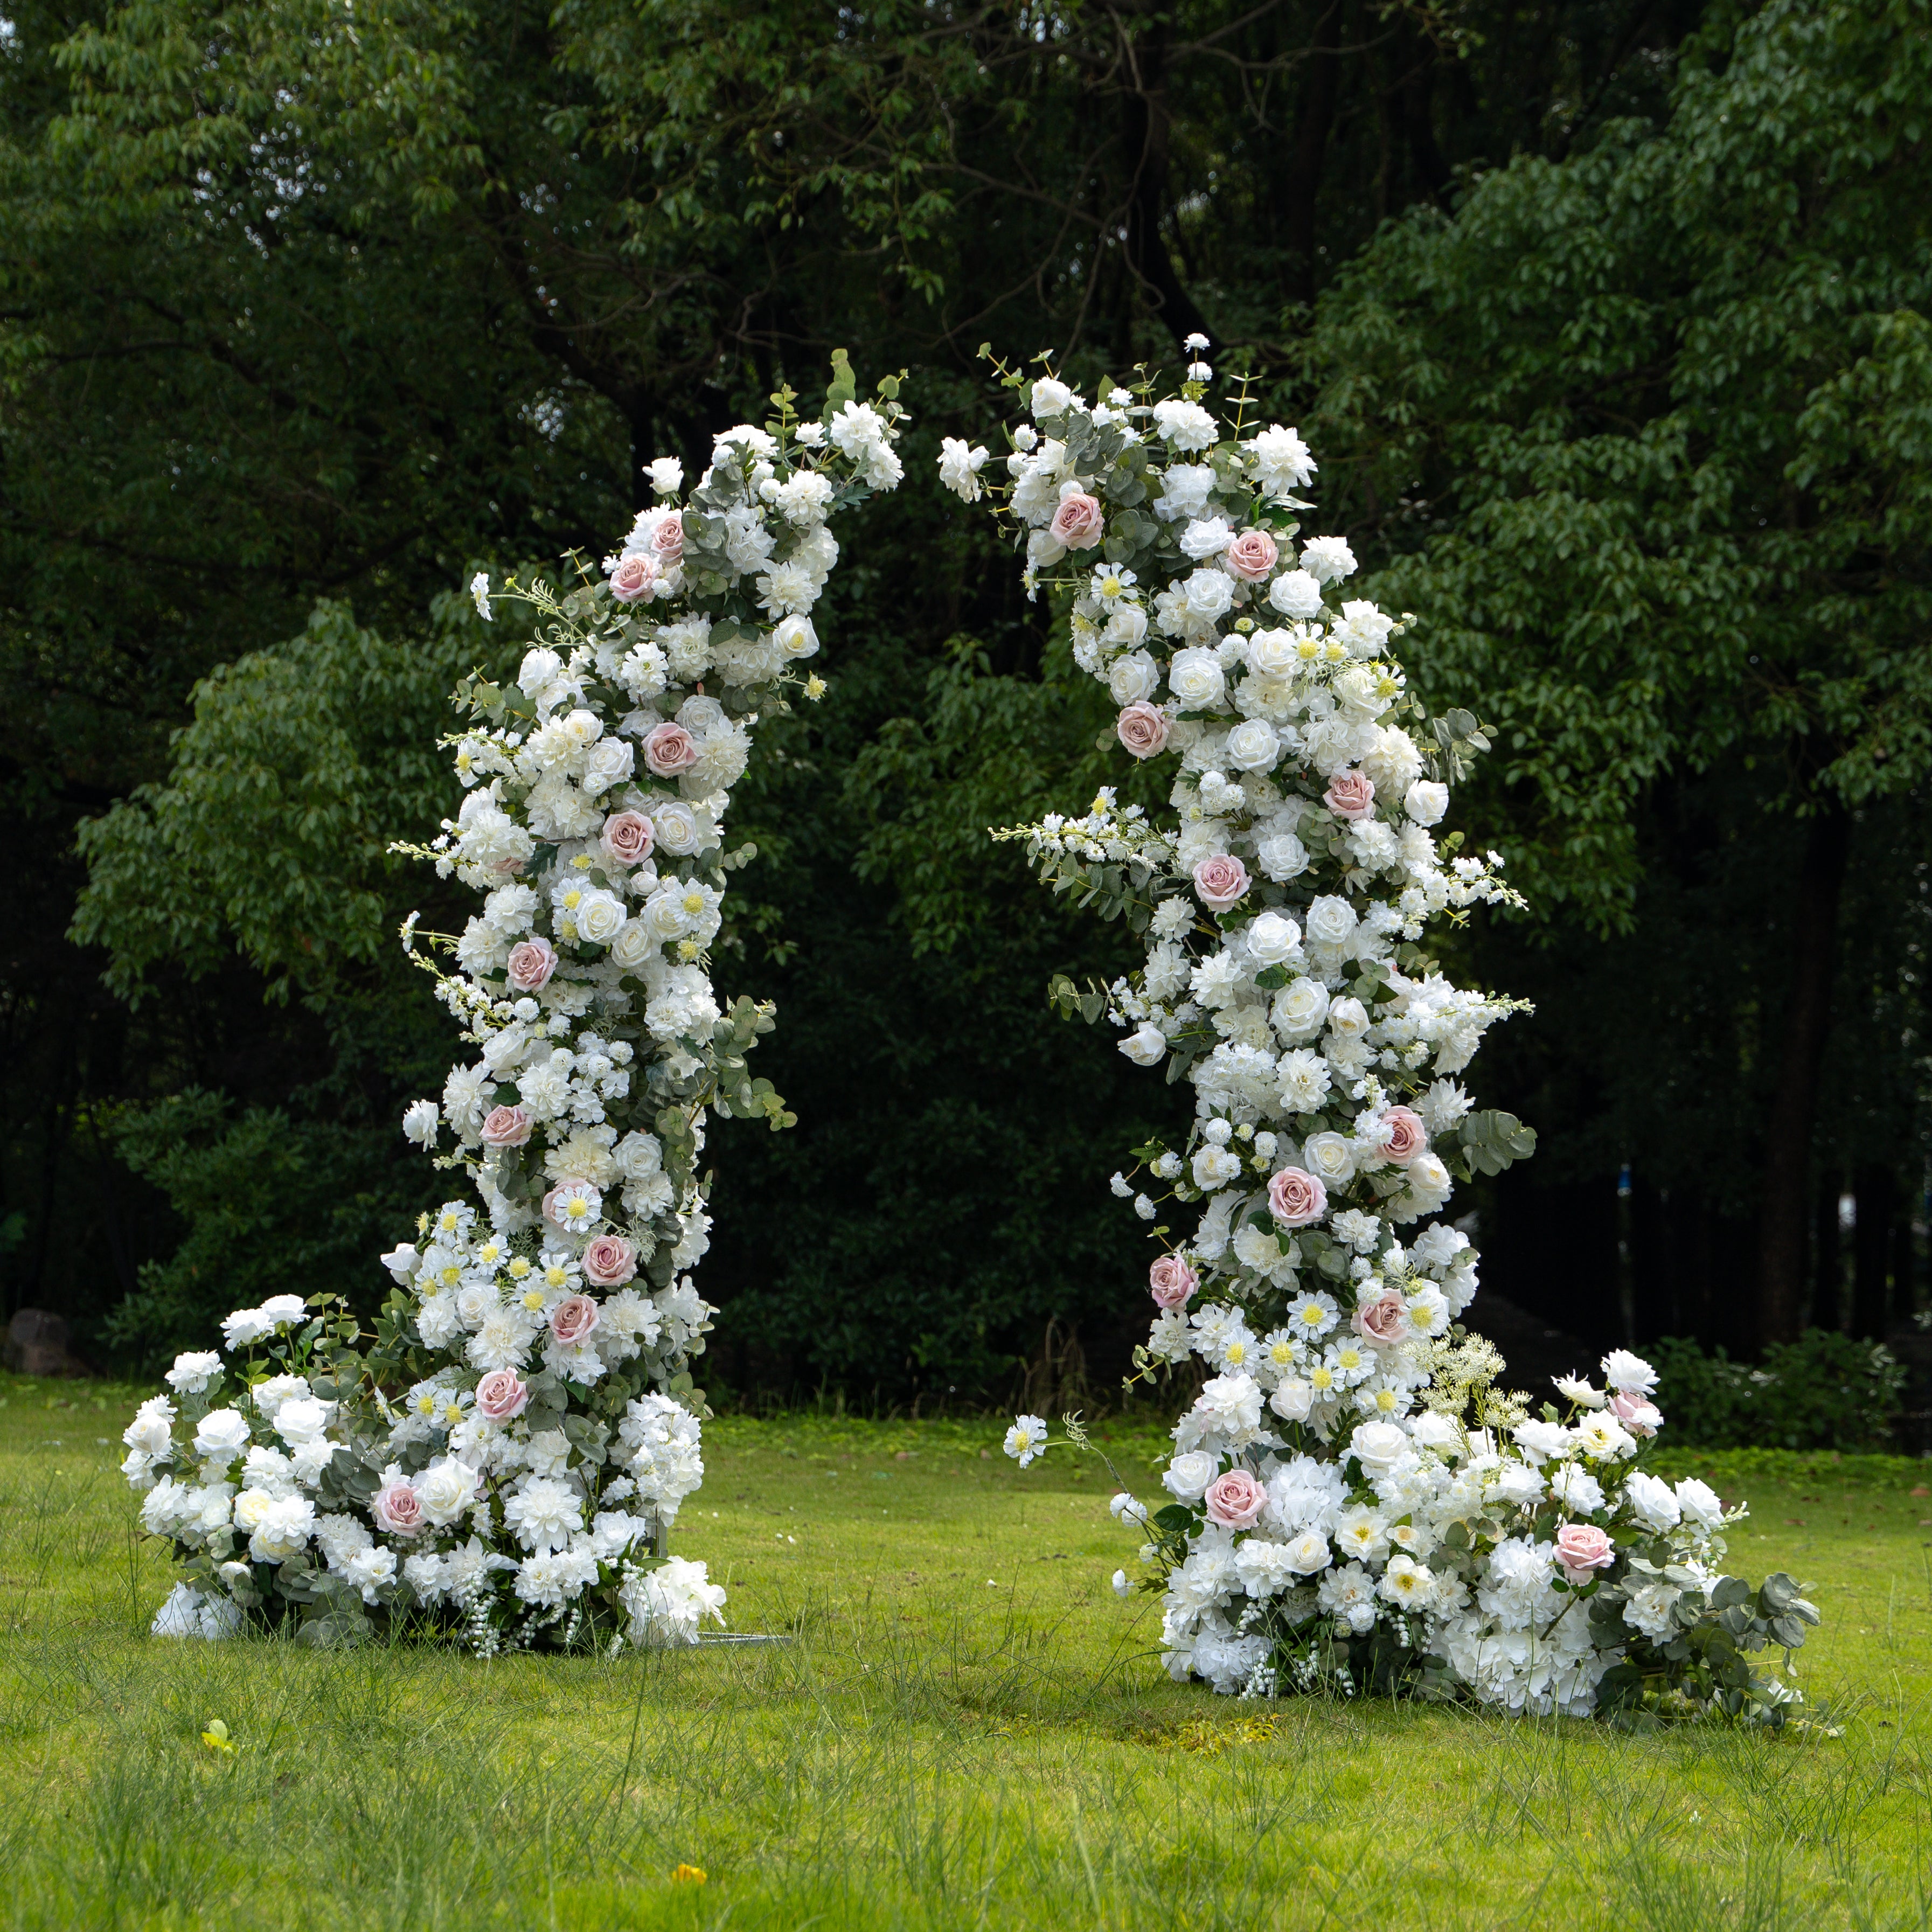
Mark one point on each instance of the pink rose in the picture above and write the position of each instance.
(667, 538)
(632, 577)
(610, 1261)
(500, 1396)
(1172, 1281)
(1078, 522)
(506, 1126)
(396, 1509)
(1234, 1500)
(1638, 1414)
(668, 750)
(1582, 1550)
(628, 838)
(1408, 1137)
(1296, 1197)
(532, 962)
(1220, 881)
(1251, 556)
(1384, 1321)
(572, 1320)
(1143, 729)
(1351, 794)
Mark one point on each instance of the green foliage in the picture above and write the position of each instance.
(1824, 1390)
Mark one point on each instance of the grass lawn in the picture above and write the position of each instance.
(968, 1728)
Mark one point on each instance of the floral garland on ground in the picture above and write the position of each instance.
(1354, 1503)
(502, 1456)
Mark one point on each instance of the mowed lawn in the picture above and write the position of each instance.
(967, 1728)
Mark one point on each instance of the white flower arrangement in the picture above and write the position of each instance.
(518, 1490)
(1354, 1504)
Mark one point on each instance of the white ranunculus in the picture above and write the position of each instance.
(1426, 801)
(1252, 746)
(1195, 677)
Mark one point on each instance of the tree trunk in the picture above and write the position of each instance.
(1147, 123)
(1904, 1271)
(1311, 151)
(1807, 1021)
(1871, 1250)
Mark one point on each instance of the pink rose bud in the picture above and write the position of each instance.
(1221, 881)
(628, 838)
(1143, 729)
(1582, 1550)
(610, 1261)
(668, 750)
(1296, 1197)
(506, 1126)
(1640, 1416)
(1384, 1321)
(532, 962)
(1078, 523)
(667, 539)
(1172, 1281)
(1251, 556)
(1408, 1137)
(632, 577)
(572, 1320)
(1234, 1500)
(500, 1396)
(1351, 794)
(396, 1509)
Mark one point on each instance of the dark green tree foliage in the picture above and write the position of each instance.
(297, 305)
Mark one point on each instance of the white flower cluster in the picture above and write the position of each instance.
(519, 1492)
(1284, 911)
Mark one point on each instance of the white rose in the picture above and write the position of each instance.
(148, 1434)
(222, 1436)
(1133, 679)
(1127, 625)
(1328, 559)
(609, 762)
(420, 1119)
(601, 917)
(1307, 1553)
(1215, 1167)
(1050, 398)
(1282, 856)
(1301, 1009)
(1195, 678)
(795, 637)
(1272, 654)
(633, 945)
(1348, 1018)
(1295, 593)
(284, 1530)
(445, 1489)
(675, 824)
(1330, 1157)
(1146, 1046)
(1439, 1432)
(1272, 938)
(1426, 801)
(1187, 1476)
(1330, 920)
(537, 670)
(1209, 593)
(1252, 746)
(1293, 1400)
(1378, 1445)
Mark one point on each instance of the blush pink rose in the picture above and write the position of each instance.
(1408, 1137)
(1221, 881)
(628, 838)
(1251, 556)
(632, 577)
(501, 1397)
(506, 1126)
(1143, 729)
(532, 962)
(1582, 1550)
(573, 1319)
(1296, 1197)
(1351, 794)
(1172, 1281)
(667, 540)
(1384, 1321)
(1078, 523)
(669, 750)
(395, 1507)
(610, 1261)
(1234, 1500)
(1639, 1415)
